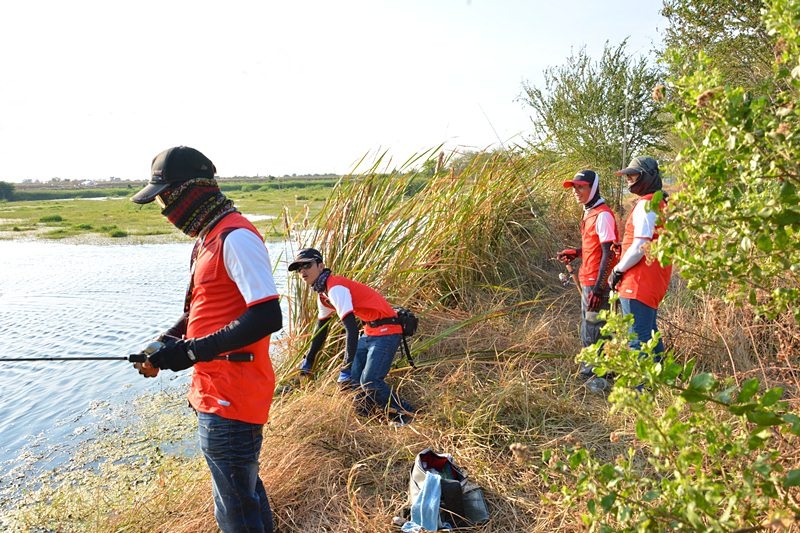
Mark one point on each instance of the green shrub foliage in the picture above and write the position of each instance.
(736, 220)
(702, 456)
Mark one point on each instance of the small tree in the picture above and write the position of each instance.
(6, 190)
(731, 33)
(598, 113)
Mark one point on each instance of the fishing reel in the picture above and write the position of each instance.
(140, 359)
(565, 279)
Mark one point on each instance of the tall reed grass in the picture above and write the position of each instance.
(456, 248)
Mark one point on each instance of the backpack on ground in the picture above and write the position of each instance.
(441, 495)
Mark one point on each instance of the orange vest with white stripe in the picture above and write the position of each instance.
(237, 391)
(592, 251)
(368, 306)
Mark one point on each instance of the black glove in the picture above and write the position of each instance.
(593, 301)
(614, 279)
(176, 355)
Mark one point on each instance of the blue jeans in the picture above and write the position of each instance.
(644, 323)
(231, 449)
(373, 359)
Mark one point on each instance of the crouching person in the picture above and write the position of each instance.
(368, 357)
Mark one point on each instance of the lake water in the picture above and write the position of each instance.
(67, 300)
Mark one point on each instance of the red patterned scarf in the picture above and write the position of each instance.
(194, 204)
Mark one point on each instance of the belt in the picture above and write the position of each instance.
(383, 321)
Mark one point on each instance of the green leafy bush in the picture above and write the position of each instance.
(705, 454)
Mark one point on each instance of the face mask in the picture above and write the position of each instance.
(193, 204)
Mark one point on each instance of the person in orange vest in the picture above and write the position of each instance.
(230, 310)
(640, 281)
(598, 235)
(368, 357)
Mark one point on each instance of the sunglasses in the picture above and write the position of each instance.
(304, 266)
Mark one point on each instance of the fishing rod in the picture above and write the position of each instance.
(133, 358)
(140, 357)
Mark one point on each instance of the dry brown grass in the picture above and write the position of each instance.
(329, 470)
(730, 340)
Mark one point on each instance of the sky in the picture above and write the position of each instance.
(93, 89)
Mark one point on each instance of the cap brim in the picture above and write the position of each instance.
(294, 266)
(571, 183)
(149, 193)
(628, 171)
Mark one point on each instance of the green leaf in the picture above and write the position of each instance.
(688, 369)
(577, 458)
(749, 388)
(764, 243)
(742, 408)
(702, 382)
(651, 495)
(754, 442)
(763, 418)
(792, 479)
(772, 396)
(788, 194)
(726, 395)
(607, 503)
(641, 429)
(794, 420)
(671, 372)
(692, 396)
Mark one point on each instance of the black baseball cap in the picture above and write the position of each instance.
(582, 177)
(306, 255)
(174, 165)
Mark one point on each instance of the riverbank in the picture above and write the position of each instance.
(113, 219)
(495, 385)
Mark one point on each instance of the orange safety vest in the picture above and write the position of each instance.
(232, 390)
(592, 251)
(647, 280)
(368, 306)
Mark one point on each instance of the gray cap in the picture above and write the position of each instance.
(640, 165)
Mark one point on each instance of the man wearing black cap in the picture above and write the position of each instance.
(231, 308)
(368, 358)
(641, 282)
(598, 235)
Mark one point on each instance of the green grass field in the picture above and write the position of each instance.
(108, 214)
